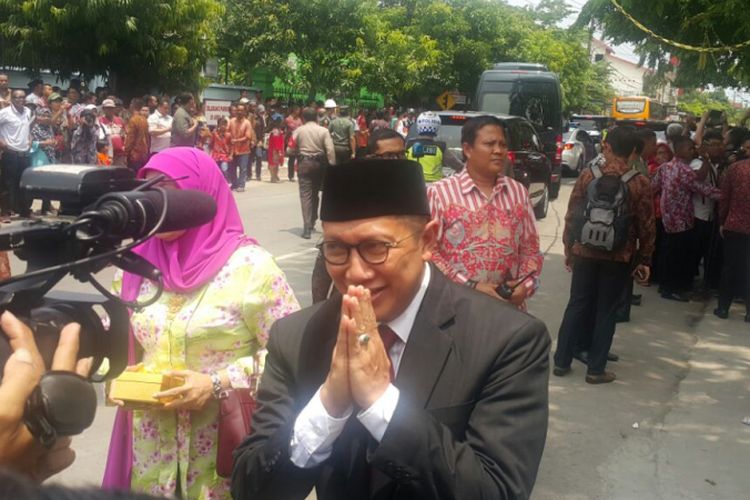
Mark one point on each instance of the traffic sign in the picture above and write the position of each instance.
(446, 100)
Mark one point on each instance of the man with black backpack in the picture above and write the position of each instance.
(609, 224)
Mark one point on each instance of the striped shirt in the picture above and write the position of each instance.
(486, 239)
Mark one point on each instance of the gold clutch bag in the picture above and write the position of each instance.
(140, 387)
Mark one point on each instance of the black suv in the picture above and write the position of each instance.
(527, 162)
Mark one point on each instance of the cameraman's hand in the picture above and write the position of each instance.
(18, 448)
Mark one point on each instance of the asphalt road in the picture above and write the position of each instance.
(668, 428)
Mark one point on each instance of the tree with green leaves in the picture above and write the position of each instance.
(322, 34)
(410, 51)
(697, 102)
(138, 45)
(550, 13)
(722, 26)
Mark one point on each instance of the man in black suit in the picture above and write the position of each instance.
(407, 387)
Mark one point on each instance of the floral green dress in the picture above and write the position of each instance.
(220, 326)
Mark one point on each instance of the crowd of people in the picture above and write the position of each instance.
(677, 215)
(418, 374)
(400, 354)
(46, 125)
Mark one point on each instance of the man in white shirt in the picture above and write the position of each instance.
(160, 127)
(405, 386)
(4, 91)
(15, 125)
(706, 232)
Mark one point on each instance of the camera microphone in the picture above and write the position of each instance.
(133, 214)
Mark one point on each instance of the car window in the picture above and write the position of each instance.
(450, 135)
(582, 137)
(526, 139)
(536, 142)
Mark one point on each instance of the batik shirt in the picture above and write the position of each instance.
(734, 209)
(677, 183)
(486, 239)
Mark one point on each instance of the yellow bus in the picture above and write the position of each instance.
(637, 108)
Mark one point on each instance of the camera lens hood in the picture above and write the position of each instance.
(63, 404)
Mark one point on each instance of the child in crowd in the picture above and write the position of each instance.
(102, 154)
(275, 149)
(220, 145)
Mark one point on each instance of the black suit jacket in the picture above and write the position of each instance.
(470, 423)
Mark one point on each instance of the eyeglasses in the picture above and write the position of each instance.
(373, 252)
(400, 155)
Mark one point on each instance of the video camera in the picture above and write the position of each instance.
(99, 209)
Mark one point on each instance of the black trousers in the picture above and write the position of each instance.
(678, 260)
(290, 166)
(735, 278)
(310, 182)
(595, 292)
(657, 263)
(706, 238)
(12, 199)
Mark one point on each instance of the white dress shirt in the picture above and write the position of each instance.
(157, 121)
(15, 128)
(703, 206)
(315, 430)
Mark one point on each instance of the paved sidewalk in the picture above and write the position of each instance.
(670, 426)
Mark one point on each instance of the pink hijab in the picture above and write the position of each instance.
(192, 260)
(186, 263)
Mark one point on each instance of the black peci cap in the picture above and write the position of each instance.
(362, 189)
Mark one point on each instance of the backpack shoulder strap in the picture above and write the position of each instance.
(629, 175)
(596, 171)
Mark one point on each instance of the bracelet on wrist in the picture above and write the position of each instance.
(472, 283)
(217, 390)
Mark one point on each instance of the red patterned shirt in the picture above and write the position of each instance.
(677, 183)
(489, 239)
(734, 208)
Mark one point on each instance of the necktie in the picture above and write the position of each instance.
(389, 339)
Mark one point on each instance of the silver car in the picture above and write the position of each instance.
(578, 150)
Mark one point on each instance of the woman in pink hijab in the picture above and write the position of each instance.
(222, 293)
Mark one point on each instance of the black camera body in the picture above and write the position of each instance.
(70, 243)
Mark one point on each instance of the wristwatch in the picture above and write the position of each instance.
(217, 390)
(472, 283)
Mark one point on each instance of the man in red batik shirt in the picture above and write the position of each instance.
(486, 234)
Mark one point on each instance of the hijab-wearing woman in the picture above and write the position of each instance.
(222, 294)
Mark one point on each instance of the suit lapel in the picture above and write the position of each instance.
(316, 350)
(429, 343)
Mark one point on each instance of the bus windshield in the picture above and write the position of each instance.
(630, 106)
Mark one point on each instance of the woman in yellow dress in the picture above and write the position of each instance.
(222, 293)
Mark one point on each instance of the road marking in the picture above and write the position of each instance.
(292, 255)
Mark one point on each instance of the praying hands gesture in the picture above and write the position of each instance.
(360, 367)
